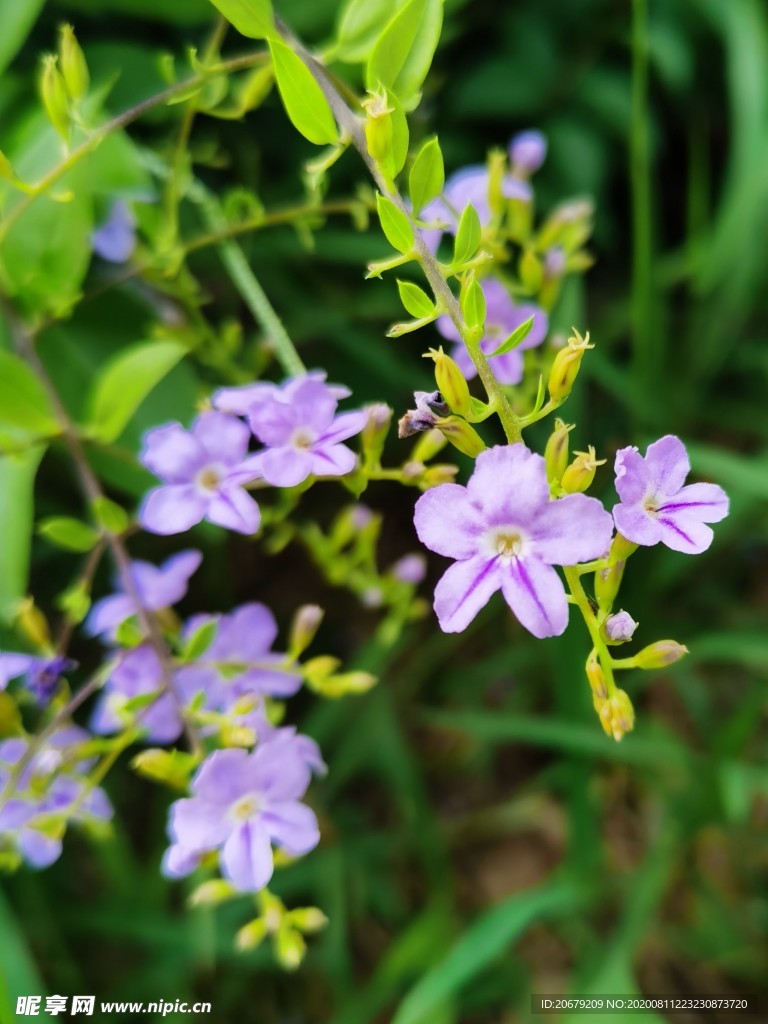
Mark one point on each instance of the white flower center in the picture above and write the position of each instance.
(208, 479)
(245, 808)
(303, 438)
(505, 542)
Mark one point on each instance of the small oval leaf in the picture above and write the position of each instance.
(394, 224)
(252, 18)
(517, 336)
(303, 99)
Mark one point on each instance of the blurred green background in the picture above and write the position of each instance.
(482, 839)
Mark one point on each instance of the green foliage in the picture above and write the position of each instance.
(17, 481)
(427, 176)
(302, 97)
(415, 299)
(252, 18)
(68, 533)
(125, 382)
(394, 224)
(360, 24)
(517, 336)
(24, 402)
(467, 236)
(472, 302)
(17, 18)
(404, 50)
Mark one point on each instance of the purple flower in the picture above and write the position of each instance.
(410, 569)
(303, 434)
(240, 660)
(620, 627)
(115, 239)
(502, 317)
(46, 789)
(240, 400)
(467, 186)
(204, 470)
(41, 675)
(527, 152)
(157, 588)
(137, 673)
(505, 533)
(656, 506)
(241, 804)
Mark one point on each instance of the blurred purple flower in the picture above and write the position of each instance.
(41, 675)
(239, 401)
(299, 425)
(241, 804)
(410, 569)
(502, 317)
(656, 507)
(470, 185)
(204, 470)
(506, 534)
(115, 239)
(137, 673)
(157, 587)
(527, 152)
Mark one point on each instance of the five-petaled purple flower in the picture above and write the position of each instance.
(241, 804)
(656, 506)
(302, 432)
(138, 672)
(502, 317)
(157, 587)
(204, 470)
(506, 534)
(468, 186)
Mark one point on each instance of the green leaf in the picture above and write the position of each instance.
(24, 401)
(252, 18)
(303, 99)
(394, 224)
(17, 18)
(403, 54)
(472, 302)
(485, 940)
(200, 641)
(68, 533)
(109, 514)
(17, 481)
(125, 382)
(360, 25)
(415, 299)
(468, 236)
(517, 336)
(427, 175)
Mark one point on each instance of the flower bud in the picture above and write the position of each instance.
(608, 580)
(660, 654)
(305, 625)
(74, 68)
(413, 470)
(237, 735)
(378, 126)
(212, 893)
(581, 472)
(596, 679)
(53, 93)
(375, 432)
(565, 367)
(451, 382)
(621, 548)
(556, 451)
(619, 628)
(617, 716)
(430, 406)
(31, 622)
(307, 919)
(410, 569)
(250, 935)
(527, 152)
(290, 948)
(443, 473)
(462, 435)
(428, 446)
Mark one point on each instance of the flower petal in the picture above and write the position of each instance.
(292, 826)
(463, 590)
(199, 825)
(447, 522)
(706, 502)
(668, 464)
(332, 459)
(572, 529)
(173, 454)
(234, 509)
(13, 665)
(632, 477)
(286, 466)
(536, 595)
(38, 849)
(346, 425)
(172, 509)
(108, 613)
(246, 859)
(510, 485)
(685, 533)
(634, 523)
(240, 401)
(224, 438)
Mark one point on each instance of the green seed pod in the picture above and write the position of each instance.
(556, 451)
(74, 68)
(565, 368)
(660, 654)
(581, 472)
(451, 382)
(53, 93)
(462, 435)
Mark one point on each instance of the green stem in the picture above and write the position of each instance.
(580, 598)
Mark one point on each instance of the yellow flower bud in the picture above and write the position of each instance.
(556, 451)
(608, 581)
(375, 432)
(378, 126)
(443, 473)
(462, 435)
(74, 68)
(565, 368)
(660, 654)
(428, 446)
(250, 935)
(581, 472)
(53, 93)
(33, 624)
(451, 382)
(596, 679)
(617, 716)
(305, 625)
(211, 893)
